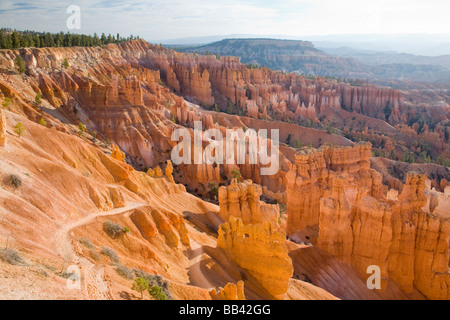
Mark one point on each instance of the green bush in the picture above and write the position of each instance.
(140, 285)
(236, 174)
(155, 280)
(81, 127)
(6, 102)
(157, 293)
(19, 129)
(20, 65)
(38, 98)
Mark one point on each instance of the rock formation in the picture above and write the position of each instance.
(166, 223)
(231, 291)
(241, 200)
(260, 250)
(117, 153)
(309, 179)
(419, 252)
(169, 171)
(409, 245)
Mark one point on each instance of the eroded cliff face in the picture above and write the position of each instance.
(419, 254)
(267, 261)
(362, 227)
(313, 172)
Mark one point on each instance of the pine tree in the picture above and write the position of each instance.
(15, 40)
(20, 64)
(140, 285)
(2, 40)
(103, 39)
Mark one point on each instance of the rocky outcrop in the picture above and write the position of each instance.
(350, 232)
(335, 222)
(169, 171)
(312, 174)
(231, 291)
(419, 254)
(409, 245)
(156, 222)
(260, 250)
(372, 236)
(117, 154)
(241, 200)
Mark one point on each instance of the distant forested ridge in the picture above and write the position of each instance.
(13, 39)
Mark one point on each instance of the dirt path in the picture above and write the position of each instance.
(96, 287)
(196, 276)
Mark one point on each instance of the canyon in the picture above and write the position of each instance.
(215, 231)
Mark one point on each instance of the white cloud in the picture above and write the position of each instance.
(163, 19)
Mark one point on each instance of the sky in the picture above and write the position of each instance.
(169, 19)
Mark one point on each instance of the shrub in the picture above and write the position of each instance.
(11, 256)
(43, 122)
(236, 174)
(154, 280)
(124, 271)
(94, 255)
(140, 284)
(213, 188)
(157, 293)
(86, 242)
(19, 129)
(110, 253)
(114, 230)
(66, 63)
(81, 127)
(38, 98)
(15, 180)
(6, 102)
(126, 229)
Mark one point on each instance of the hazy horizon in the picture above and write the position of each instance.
(167, 21)
(171, 19)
